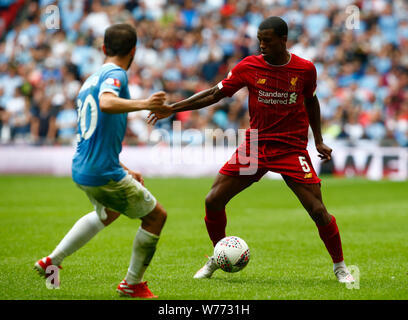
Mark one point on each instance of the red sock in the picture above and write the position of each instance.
(216, 222)
(331, 238)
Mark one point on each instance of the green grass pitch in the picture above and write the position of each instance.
(288, 259)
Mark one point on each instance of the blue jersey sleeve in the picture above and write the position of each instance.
(113, 81)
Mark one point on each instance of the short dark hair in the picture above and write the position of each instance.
(279, 26)
(119, 39)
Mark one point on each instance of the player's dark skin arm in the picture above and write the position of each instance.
(200, 100)
(313, 110)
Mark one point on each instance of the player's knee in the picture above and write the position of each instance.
(318, 212)
(158, 216)
(212, 202)
(155, 220)
(110, 217)
(208, 200)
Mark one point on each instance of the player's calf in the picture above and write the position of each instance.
(330, 236)
(311, 198)
(215, 222)
(155, 220)
(144, 245)
(215, 216)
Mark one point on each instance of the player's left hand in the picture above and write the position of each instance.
(324, 151)
(137, 175)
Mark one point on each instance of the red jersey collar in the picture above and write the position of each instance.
(276, 65)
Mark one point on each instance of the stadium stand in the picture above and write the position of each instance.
(186, 46)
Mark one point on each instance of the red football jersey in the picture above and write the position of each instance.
(276, 96)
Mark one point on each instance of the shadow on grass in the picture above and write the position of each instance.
(309, 283)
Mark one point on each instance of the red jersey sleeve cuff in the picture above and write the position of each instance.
(224, 90)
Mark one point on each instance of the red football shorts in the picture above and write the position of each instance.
(271, 156)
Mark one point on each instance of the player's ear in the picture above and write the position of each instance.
(133, 51)
(104, 49)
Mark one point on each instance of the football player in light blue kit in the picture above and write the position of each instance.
(103, 103)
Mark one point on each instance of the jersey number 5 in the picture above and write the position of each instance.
(89, 104)
(304, 164)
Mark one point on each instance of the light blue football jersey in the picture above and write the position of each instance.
(100, 134)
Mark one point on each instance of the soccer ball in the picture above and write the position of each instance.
(231, 254)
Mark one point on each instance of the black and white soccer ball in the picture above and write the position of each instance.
(231, 254)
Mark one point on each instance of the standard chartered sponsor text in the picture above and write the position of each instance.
(276, 97)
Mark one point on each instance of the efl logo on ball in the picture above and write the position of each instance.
(231, 254)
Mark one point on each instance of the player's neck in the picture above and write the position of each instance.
(118, 61)
(278, 60)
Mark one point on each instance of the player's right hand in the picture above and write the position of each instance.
(156, 105)
(136, 175)
(324, 151)
(156, 100)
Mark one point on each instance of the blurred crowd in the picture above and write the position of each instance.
(360, 49)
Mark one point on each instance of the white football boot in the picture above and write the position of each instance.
(207, 270)
(343, 274)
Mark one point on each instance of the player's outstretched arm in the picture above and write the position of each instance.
(200, 100)
(110, 103)
(313, 111)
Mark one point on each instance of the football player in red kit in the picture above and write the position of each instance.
(282, 105)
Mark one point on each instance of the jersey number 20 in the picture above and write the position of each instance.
(89, 103)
